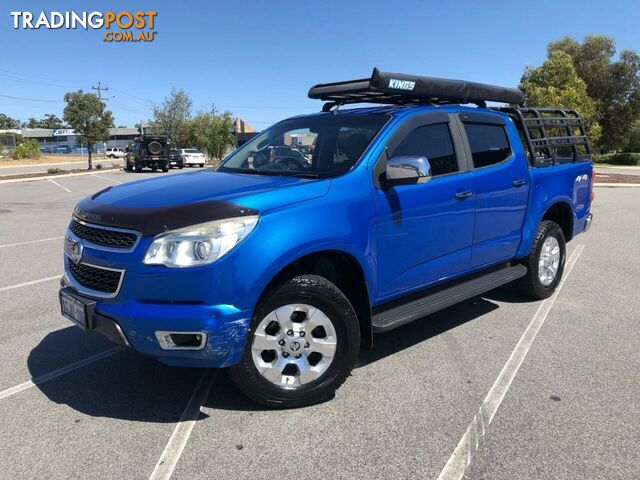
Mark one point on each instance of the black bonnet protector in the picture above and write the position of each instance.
(155, 220)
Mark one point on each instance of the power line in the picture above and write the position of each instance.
(134, 97)
(13, 78)
(31, 78)
(31, 99)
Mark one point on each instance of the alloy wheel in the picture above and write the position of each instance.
(294, 345)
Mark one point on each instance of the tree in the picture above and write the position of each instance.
(212, 133)
(49, 121)
(613, 84)
(171, 116)
(556, 84)
(8, 123)
(632, 141)
(87, 115)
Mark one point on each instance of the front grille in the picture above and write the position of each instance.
(95, 278)
(103, 237)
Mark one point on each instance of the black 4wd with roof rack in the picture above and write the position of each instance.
(327, 228)
(149, 151)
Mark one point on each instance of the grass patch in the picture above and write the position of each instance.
(618, 159)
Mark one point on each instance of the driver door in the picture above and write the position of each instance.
(425, 230)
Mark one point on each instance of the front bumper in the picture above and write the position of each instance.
(135, 324)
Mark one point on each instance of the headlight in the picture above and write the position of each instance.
(199, 244)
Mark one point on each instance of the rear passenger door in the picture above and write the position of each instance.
(501, 186)
(425, 230)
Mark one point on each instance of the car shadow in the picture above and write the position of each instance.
(225, 396)
(125, 385)
(134, 387)
(406, 336)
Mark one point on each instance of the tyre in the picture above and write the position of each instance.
(154, 168)
(165, 169)
(138, 167)
(202, 165)
(303, 342)
(155, 148)
(181, 167)
(545, 263)
(128, 167)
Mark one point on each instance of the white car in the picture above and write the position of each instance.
(114, 152)
(192, 156)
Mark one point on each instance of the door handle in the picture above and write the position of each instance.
(519, 182)
(463, 195)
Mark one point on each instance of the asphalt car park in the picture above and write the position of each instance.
(547, 389)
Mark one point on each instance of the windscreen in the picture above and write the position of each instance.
(319, 146)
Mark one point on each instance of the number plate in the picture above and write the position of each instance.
(74, 309)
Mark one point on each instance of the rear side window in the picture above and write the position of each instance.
(489, 144)
(433, 142)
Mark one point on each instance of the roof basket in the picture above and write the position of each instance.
(551, 135)
(401, 89)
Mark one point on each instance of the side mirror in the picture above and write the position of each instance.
(407, 170)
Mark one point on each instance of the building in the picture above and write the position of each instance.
(244, 132)
(65, 138)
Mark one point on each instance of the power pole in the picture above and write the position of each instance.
(99, 88)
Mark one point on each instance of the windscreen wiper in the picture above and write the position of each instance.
(244, 170)
(302, 175)
(273, 173)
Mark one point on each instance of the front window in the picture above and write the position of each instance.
(319, 146)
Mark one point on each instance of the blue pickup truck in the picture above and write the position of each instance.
(282, 267)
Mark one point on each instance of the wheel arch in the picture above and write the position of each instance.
(559, 210)
(340, 268)
(561, 213)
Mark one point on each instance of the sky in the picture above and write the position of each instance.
(259, 58)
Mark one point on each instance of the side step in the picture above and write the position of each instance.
(443, 298)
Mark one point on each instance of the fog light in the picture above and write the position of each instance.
(181, 340)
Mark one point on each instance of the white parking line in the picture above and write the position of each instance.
(30, 241)
(476, 431)
(107, 178)
(56, 183)
(32, 282)
(172, 452)
(61, 371)
(45, 177)
(43, 165)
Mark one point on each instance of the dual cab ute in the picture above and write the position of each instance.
(283, 270)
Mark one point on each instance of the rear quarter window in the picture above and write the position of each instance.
(489, 144)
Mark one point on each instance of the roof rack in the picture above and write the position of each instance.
(401, 89)
(548, 130)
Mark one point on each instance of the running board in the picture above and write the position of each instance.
(433, 302)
